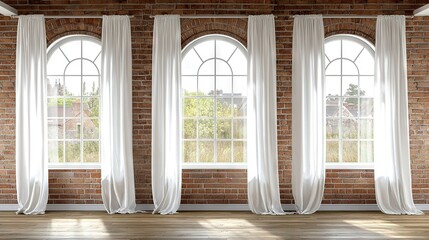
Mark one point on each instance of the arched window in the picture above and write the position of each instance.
(73, 100)
(349, 100)
(214, 82)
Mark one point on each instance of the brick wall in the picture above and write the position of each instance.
(216, 186)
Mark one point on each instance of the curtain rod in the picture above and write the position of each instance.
(351, 16)
(210, 16)
(70, 16)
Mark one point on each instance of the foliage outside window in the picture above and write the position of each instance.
(73, 100)
(349, 100)
(214, 83)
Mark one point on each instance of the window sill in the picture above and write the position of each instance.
(349, 166)
(60, 166)
(214, 166)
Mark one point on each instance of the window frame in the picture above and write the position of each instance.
(185, 50)
(369, 46)
(49, 51)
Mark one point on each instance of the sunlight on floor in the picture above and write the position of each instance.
(378, 226)
(244, 227)
(78, 227)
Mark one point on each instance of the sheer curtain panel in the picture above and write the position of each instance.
(31, 116)
(391, 139)
(117, 174)
(166, 114)
(308, 113)
(262, 172)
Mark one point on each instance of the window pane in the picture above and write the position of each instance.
(350, 86)
(56, 107)
(205, 128)
(57, 63)
(73, 151)
(240, 86)
(350, 152)
(224, 86)
(350, 108)
(366, 129)
(365, 63)
(239, 128)
(350, 129)
(207, 68)
(223, 107)
(222, 68)
(190, 128)
(73, 86)
(189, 151)
(190, 107)
(55, 86)
(240, 151)
(90, 50)
(72, 49)
(90, 151)
(189, 86)
(333, 49)
(349, 68)
(74, 68)
(206, 49)
(366, 107)
(367, 151)
(224, 49)
(205, 151)
(72, 107)
(206, 86)
(238, 62)
(332, 128)
(240, 107)
(223, 151)
(56, 151)
(89, 68)
(55, 129)
(73, 128)
(351, 49)
(91, 86)
(90, 128)
(332, 152)
(91, 107)
(333, 86)
(223, 129)
(332, 107)
(367, 86)
(190, 63)
(205, 107)
(334, 68)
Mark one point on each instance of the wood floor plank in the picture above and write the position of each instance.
(213, 225)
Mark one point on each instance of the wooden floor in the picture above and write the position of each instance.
(213, 225)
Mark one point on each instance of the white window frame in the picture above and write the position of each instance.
(215, 165)
(369, 46)
(51, 49)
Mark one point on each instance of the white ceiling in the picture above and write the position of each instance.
(422, 11)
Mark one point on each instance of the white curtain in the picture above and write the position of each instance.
(31, 116)
(117, 174)
(308, 113)
(166, 115)
(262, 172)
(391, 141)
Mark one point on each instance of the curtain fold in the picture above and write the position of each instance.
(31, 116)
(262, 160)
(166, 114)
(117, 174)
(308, 113)
(391, 134)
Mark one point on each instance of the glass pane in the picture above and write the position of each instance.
(224, 86)
(350, 86)
(73, 86)
(57, 63)
(190, 63)
(240, 86)
(90, 128)
(55, 107)
(332, 128)
(72, 107)
(189, 151)
(73, 128)
(72, 49)
(350, 129)
(189, 86)
(239, 128)
(206, 86)
(74, 68)
(190, 128)
(190, 107)
(205, 107)
(89, 68)
(98, 62)
(367, 86)
(238, 63)
(91, 86)
(222, 68)
(351, 49)
(205, 151)
(73, 151)
(91, 152)
(367, 151)
(334, 68)
(223, 129)
(223, 107)
(206, 128)
(365, 63)
(367, 129)
(207, 68)
(223, 151)
(333, 86)
(55, 86)
(350, 151)
(90, 50)
(332, 107)
(349, 68)
(326, 61)
(206, 49)
(56, 151)
(224, 49)
(91, 107)
(333, 49)
(240, 107)
(332, 152)
(55, 129)
(240, 151)
(350, 108)
(366, 107)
